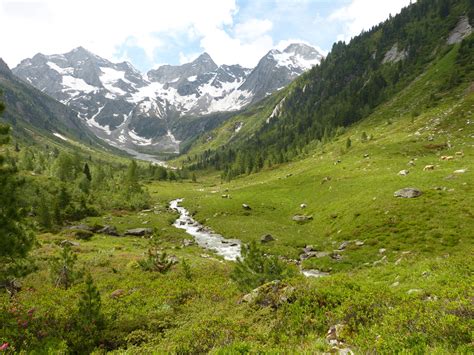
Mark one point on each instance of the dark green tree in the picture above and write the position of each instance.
(63, 268)
(348, 143)
(87, 172)
(89, 320)
(15, 238)
(131, 179)
(254, 268)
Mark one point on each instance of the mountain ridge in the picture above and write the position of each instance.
(129, 109)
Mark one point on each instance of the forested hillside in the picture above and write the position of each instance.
(351, 82)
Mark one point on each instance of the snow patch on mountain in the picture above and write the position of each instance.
(60, 136)
(76, 86)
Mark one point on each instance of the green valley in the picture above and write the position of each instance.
(349, 195)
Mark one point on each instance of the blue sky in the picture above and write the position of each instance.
(151, 33)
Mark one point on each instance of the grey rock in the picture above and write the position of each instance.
(69, 243)
(267, 238)
(139, 232)
(272, 294)
(461, 31)
(408, 192)
(109, 230)
(343, 245)
(188, 242)
(302, 218)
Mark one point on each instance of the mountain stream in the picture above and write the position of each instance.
(229, 249)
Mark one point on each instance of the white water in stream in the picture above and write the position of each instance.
(228, 248)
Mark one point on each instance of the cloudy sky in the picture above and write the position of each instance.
(149, 33)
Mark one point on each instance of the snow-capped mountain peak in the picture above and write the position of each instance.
(128, 109)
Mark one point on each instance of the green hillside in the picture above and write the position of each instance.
(347, 87)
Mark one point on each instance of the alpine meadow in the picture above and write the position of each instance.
(314, 202)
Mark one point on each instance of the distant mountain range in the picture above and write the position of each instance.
(134, 111)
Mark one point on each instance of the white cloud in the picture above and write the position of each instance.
(187, 58)
(57, 26)
(363, 14)
(224, 48)
(249, 42)
(252, 28)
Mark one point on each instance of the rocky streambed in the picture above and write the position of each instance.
(204, 237)
(207, 239)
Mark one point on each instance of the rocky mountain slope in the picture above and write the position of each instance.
(133, 111)
(32, 113)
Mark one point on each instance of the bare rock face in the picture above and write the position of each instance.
(408, 192)
(394, 55)
(461, 31)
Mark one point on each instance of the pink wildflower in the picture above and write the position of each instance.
(4, 346)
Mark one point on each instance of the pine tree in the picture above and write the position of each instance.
(44, 216)
(89, 318)
(63, 269)
(87, 172)
(15, 238)
(348, 143)
(255, 268)
(131, 179)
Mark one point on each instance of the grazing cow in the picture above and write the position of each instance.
(428, 167)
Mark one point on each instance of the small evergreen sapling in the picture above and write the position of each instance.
(255, 268)
(89, 320)
(63, 268)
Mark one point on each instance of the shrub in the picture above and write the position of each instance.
(156, 261)
(255, 268)
(63, 268)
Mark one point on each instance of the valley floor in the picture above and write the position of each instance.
(400, 270)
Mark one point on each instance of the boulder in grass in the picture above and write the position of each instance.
(69, 243)
(267, 238)
(117, 293)
(83, 227)
(139, 232)
(272, 294)
(81, 234)
(301, 218)
(109, 230)
(408, 192)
